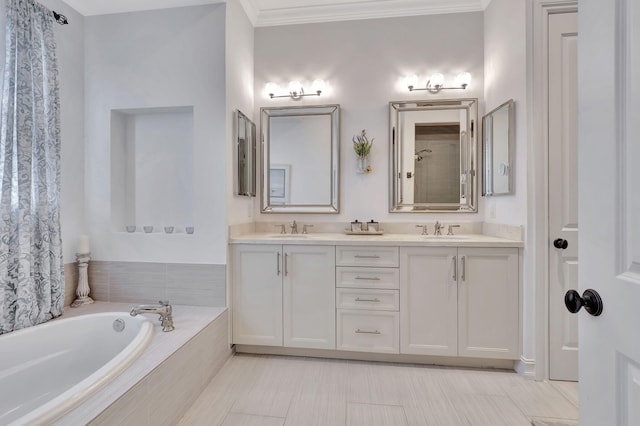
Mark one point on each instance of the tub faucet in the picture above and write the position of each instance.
(163, 309)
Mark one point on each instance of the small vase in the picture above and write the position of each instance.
(363, 164)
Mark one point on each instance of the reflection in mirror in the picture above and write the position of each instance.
(499, 130)
(245, 137)
(433, 156)
(300, 147)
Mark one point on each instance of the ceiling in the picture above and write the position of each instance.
(284, 12)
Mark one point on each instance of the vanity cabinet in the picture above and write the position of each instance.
(459, 302)
(284, 295)
(367, 299)
(406, 299)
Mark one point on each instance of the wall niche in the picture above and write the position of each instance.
(152, 169)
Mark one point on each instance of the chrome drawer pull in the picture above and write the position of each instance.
(464, 268)
(367, 332)
(455, 268)
(368, 300)
(362, 256)
(368, 278)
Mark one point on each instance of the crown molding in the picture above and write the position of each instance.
(251, 10)
(371, 10)
(485, 3)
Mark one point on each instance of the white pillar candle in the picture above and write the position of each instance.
(83, 244)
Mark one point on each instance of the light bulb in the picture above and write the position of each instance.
(411, 80)
(464, 78)
(437, 80)
(295, 87)
(271, 89)
(318, 85)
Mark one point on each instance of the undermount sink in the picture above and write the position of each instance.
(294, 236)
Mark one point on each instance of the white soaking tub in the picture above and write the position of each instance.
(49, 369)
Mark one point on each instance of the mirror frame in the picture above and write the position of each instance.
(250, 175)
(487, 150)
(310, 110)
(433, 105)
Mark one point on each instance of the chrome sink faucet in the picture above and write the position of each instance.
(294, 227)
(163, 309)
(450, 231)
(439, 227)
(424, 229)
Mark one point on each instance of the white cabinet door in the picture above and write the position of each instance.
(428, 301)
(257, 294)
(488, 320)
(309, 310)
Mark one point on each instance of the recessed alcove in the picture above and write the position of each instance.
(152, 168)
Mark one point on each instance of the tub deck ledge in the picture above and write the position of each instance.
(197, 348)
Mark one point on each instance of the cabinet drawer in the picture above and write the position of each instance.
(367, 277)
(367, 256)
(368, 331)
(377, 300)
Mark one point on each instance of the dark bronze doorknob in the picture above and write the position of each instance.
(590, 299)
(560, 243)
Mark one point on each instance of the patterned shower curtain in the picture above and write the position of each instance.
(31, 267)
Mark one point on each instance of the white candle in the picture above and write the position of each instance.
(83, 244)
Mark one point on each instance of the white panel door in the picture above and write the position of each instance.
(609, 197)
(257, 294)
(488, 305)
(563, 192)
(309, 298)
(428, 301)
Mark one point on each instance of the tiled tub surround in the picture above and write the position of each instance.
(167, 378)
(143, 282)
(70, 283)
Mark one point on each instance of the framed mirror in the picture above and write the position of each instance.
(498, 139)
(300, 159)
(245, 153)
(433, 156)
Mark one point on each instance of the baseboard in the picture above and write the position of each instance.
(464, 362)
(526, 368)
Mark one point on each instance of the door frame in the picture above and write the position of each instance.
(538, 183)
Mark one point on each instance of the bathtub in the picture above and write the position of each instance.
(51, 368)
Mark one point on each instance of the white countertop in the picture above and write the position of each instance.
(468, 240)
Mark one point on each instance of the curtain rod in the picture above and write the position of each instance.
(60, 18)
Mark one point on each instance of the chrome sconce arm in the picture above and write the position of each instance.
(296, 95)
(296, 91)
(436, 83)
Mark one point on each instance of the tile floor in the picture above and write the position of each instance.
(273, 390)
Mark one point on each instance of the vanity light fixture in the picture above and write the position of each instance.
(296, 91)
(436, 82)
